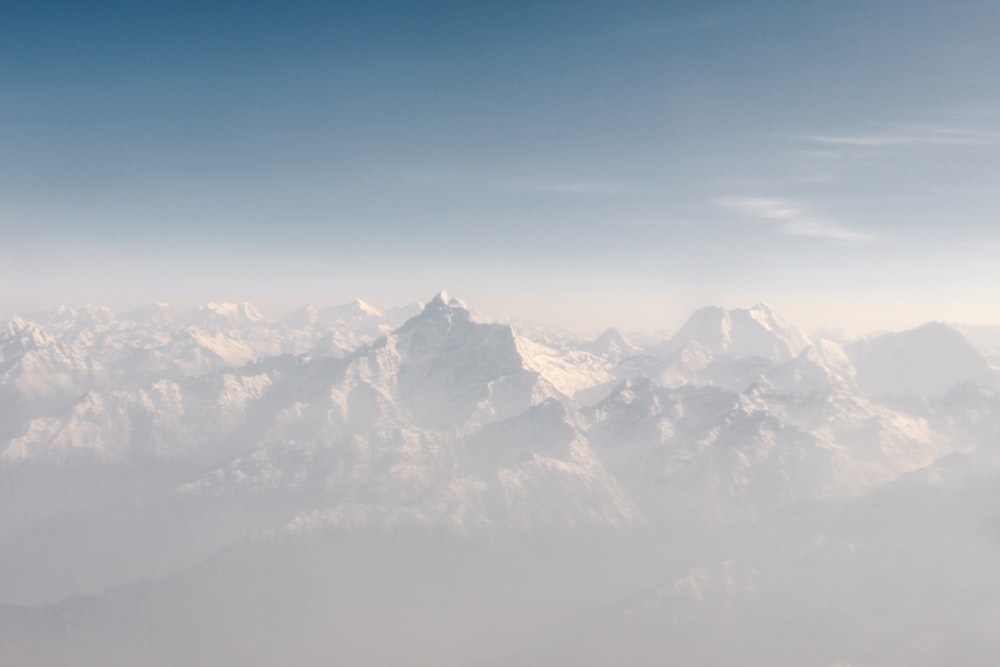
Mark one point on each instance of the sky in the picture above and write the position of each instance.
(584, 163)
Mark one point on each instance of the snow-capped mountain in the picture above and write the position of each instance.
(168, 438)
(222, 315)
(926, 361)
(752, 332)
(613, 346)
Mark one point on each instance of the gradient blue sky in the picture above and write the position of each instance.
(584, 162)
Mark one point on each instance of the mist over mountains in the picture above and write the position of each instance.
(423, 485)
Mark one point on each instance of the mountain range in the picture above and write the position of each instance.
(737, 477)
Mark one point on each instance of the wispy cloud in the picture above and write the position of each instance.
(912, 136)
(790, 219)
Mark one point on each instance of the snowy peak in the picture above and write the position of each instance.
(240, 311)
(224, 314)
(448, 370)
(612, 345)
(610, 337)
(25, 335)
(753, 332)
(363, 307)
(64, 316)
(444, 333)
(353, 311)
(440, 310)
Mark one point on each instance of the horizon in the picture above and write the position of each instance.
(669, 324)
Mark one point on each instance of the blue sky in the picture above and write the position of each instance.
(587, 162)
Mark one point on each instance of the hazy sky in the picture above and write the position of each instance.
(592, 162)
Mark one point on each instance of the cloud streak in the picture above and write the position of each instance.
(790, 219)
(912, 136)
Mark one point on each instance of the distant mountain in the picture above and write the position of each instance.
(154, 314)
(613, 346)
(753, 332)
(223, 314)
(926, 361)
